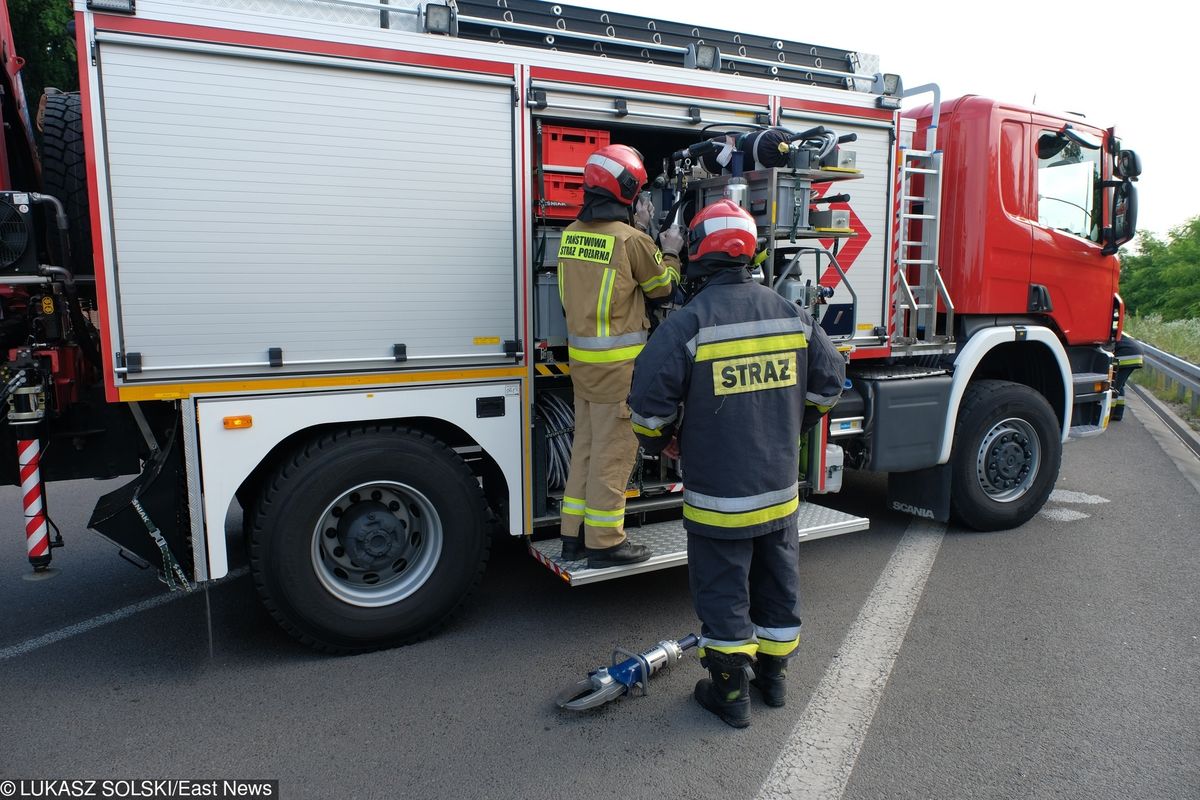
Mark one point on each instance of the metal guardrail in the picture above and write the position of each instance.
(1173, 373)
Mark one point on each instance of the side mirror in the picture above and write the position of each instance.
(1127, 165)
(1123, 215)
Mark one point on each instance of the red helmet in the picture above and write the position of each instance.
(723, 228)
(617, 170)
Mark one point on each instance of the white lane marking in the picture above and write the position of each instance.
(1079, 498)
(1062, 514)
(820, 753)
(29, 645)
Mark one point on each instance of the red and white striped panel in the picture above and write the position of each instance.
(547, 562)
(898, 234)
(37, 531)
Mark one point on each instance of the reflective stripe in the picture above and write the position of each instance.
(770, 647)
(605, 513)
(604, 303)
(653, 422)
(743, 520)
(822, 399)
(658, 281)
(749, 347)
(560, 287)
(604, 519)
(1120, 401)
(777, 634)
(691, 347)
(644, 431)
(573, 506)
(605, 356)
(606, 342)
(606, 164)
(733, 504)
(748, 646)
(1131, 361)
(714, 224)
(744, 330)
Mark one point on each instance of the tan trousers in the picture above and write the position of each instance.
(602, 457)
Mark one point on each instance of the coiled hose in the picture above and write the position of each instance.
(560, 433)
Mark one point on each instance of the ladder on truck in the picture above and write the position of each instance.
(916, 303)
(592, 32)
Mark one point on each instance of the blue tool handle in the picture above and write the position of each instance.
(689, 641)
(628, 672)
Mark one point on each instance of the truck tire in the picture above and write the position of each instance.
(1007, 452)
(368, 537)
(64, 173)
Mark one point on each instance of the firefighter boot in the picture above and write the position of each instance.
(770, 678)
(572, 548)
(726, 692)
(618, 556)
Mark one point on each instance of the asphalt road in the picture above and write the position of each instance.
(1061, 659)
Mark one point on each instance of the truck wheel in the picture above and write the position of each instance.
(64, 173)
(368, 538)
(1007, 451)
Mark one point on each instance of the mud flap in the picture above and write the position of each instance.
(159, 491)
(923, 493)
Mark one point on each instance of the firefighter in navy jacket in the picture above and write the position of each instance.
(753, 372)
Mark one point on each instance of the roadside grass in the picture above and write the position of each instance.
(1180, 338)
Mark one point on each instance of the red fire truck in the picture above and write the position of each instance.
(299, 256)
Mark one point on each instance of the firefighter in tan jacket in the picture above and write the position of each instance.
(606, 269)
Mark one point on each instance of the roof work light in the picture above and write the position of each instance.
(703, 56)
(439, 18)
(118, 6)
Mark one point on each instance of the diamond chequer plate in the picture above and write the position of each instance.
(668, 542)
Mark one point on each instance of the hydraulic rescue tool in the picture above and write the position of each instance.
(619, 679)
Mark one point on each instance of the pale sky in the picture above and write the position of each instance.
(1119, 63)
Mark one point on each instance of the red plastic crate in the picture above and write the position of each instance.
(563, 189)
(570, 147)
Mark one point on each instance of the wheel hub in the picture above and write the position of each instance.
(372, 535)
(1009, 456)
(377, 543)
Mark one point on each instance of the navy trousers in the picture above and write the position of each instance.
(747, 592)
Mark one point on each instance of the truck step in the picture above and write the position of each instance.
(668, 542)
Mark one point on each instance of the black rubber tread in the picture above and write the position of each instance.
(274, 485)
(64, 172)
(969, 505)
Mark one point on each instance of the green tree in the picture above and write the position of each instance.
(1164, 277)
(40, 30)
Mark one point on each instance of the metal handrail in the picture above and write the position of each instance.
(1183, 373)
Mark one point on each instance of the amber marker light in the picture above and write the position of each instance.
(237, 423)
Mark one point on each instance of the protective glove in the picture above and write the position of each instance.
(643, 212)
(672, 448)
(672, 240)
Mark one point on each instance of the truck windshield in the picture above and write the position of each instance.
(1069, 190)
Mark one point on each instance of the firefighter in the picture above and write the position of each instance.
(753, 372)
(607, 268)
(1129, 358)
